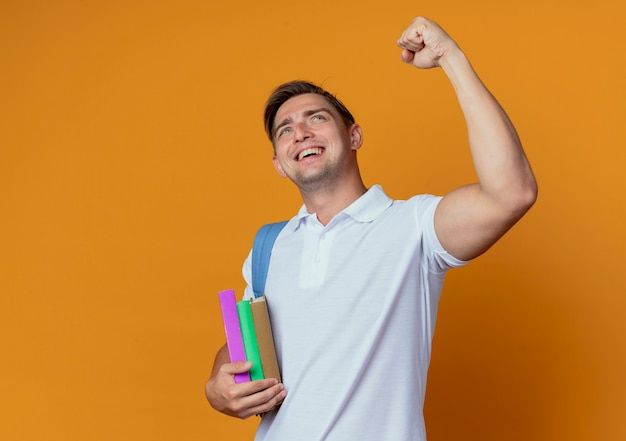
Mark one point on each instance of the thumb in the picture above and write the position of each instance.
(238, 367)
(407, 56)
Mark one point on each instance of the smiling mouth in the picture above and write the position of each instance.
(313, 151)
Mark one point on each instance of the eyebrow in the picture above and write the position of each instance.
(306, 114)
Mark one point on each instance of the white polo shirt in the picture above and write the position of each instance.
(353, 307)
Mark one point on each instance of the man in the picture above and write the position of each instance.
(355, 278)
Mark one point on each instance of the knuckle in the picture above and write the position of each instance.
(236, 408)
(260, 386)
(229, 394)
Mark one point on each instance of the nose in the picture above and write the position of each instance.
(302, 132)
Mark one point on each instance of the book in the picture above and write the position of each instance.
(232, 328)
(265, 339)
(249, 339)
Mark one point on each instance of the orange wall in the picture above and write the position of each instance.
(134, 172)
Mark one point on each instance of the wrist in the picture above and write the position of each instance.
(452, 58)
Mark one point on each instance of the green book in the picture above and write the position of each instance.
(250, 343)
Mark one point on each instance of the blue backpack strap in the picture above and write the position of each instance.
(261, 252)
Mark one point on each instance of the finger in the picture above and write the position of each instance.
(246, 399)
(236, 368)
(249, 394)
(257, 386)
(407, 56)
(409, 50)
(412, 40)
(264, 401)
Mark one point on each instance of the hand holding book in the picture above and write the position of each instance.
(245, 399)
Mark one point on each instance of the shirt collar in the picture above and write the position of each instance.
(365, 209)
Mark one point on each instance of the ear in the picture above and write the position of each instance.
(278, 167)
(356, 137)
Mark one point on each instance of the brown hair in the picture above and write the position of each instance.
(294, 88)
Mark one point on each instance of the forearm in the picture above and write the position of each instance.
(210, 391)
(221, 358)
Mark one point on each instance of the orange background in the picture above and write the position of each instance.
(134, 171)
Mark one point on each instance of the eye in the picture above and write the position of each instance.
(283, 131)
(318, 117)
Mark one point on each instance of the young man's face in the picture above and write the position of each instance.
(312, 143)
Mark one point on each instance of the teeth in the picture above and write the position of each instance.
(307, 152)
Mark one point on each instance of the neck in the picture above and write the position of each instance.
(327, 202)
